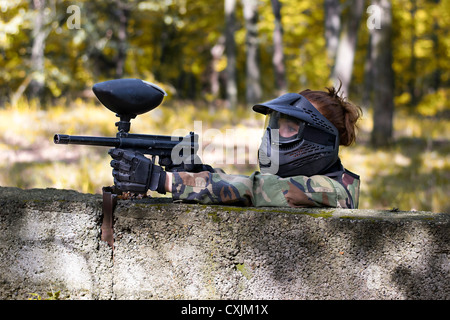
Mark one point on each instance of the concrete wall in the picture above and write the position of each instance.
(50, 240)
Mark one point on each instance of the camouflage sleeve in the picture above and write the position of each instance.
(258, 190)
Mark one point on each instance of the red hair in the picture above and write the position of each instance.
(342, 113)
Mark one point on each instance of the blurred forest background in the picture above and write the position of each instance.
(217, 58)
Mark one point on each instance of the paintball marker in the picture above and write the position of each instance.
(129, 98)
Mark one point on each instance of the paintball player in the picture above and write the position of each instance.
(298, 158)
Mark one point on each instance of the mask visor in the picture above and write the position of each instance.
(290, 129)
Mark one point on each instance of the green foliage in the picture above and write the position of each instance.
(421, 37)
(170, 42)
(51, 295)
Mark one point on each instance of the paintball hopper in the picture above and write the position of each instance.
(128, 98)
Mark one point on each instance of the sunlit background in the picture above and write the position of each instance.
(52, 52)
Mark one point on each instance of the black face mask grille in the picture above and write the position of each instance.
(297, 158)
(308, 159)
(305, 149)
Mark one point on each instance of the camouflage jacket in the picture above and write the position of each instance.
(338, 189)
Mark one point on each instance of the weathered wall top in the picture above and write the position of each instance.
(50, 240)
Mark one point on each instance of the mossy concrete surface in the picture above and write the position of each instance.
(50, 241)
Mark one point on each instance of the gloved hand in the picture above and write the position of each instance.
(193, 163)
(133, 172)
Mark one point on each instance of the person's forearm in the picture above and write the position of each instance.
(211, 188)
(168, 184)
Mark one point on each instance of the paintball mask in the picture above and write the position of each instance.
(298, 139)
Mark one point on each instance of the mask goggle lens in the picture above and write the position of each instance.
(290, 129)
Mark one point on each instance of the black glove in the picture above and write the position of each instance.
(191, 164)
(133, 172)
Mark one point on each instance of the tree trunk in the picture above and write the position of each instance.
(436, 76)
(368, 75)
(413, 62)
(122, 13)
(278, 54)
(36, 86)
(345, 55)
(230, 49)
(383, 78)
(332, 28)
(253, 86)
(214, 78)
